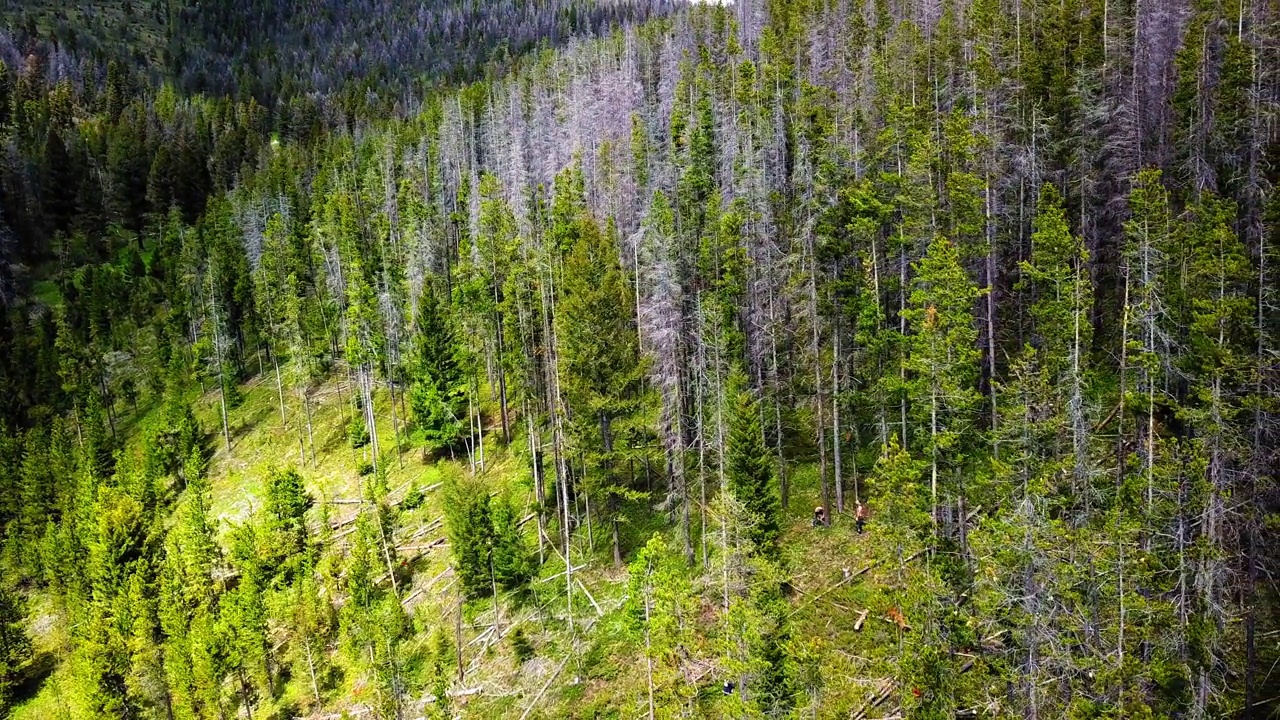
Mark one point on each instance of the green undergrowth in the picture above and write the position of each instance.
(545, 665)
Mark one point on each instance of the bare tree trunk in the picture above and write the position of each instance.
(700, 413)
(933, 453)
(311, 670)
(591, 538)
(991, 315)
(480, 432)
(784, 486)
(311, 440)
(364, 377)
(902, 330)
(835, 418)
(386, 554)
(557, 428)
(502, 381)
(275, 363)
(395, 421)
(539, 483)
(817, 377)
(222, 382)
(648, 652)
(457, 640)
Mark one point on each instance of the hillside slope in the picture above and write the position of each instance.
(655, 306)
(589, 671)
(274, 49)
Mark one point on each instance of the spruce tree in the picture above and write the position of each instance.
(511, 563)
(437, 392)
(311, 622)
(365, 348)
(600, 365)
(660, 606)
(470, 527)
(749, 473)
(943, 359)
(285, 528)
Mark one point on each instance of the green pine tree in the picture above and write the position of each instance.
(438, 388)
(512, 566)
(470, 528)
(944, 362)
(749, 473)
(600, 365)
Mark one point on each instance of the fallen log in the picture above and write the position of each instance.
(429, 546)
(343, 534)
(424, 530)
(599, 612)
(847, 578)
(481, 638)
(562, 572)
(543, 691)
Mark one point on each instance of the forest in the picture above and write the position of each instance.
(614, 359)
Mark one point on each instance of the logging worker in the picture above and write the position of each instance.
(861, 516)
(819, 516)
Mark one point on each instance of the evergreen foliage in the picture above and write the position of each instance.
(437, 393)
(601, 369)
(488, 549)
(1001, 272)
(749, 469)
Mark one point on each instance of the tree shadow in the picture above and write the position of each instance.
(32, 677)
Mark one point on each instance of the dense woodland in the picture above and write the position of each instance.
(1000, 270)
(272, 49)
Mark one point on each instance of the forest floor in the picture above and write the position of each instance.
(586, 665)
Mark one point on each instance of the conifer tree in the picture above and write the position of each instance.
(304, 369)
(365, 345)
(749, 472)
(373, 622)
(943, 360)
(311, 621)
(1217, 363)
(511, 564)
(470, 526)
(187, 606)
(172, 440)
(242, 618)
(600, 366)
(285, 529)
(495, 247)
(1057, 284)
(660, 605)
(437, 394)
